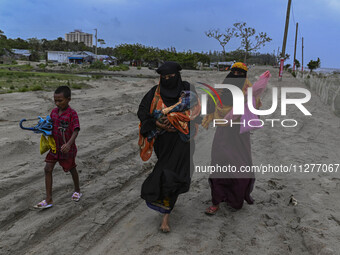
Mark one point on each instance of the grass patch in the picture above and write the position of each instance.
(97, 76)
(23, 89)
(119, 68)
(42, 66)
(26, 67)
(76, 86)
(36, 88)
(20, 81)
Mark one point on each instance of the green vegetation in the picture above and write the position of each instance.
(97, 76)
(286, 67)
(42, 66)
(140, 55)
(314, 64)
(98, 65)
(119, 68)
(19, 81)
(297, 63)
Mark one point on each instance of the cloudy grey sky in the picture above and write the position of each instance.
(181, 24)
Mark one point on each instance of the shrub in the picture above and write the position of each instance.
(42, 66)
(98, 65)
(124, 67)
(36, 88)
(23, 89)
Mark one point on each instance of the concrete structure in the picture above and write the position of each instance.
(59, 56)
(79, 36)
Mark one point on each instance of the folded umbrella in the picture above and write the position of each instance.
(44, 126)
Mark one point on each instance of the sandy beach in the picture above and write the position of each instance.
(111, 218)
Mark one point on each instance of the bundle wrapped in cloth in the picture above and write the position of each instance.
(186, 102)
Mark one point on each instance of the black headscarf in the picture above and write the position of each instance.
(237, 80)
(170, 89)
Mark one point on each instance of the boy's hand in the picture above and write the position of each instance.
(65, 148)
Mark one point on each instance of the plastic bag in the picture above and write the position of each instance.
(47, 144)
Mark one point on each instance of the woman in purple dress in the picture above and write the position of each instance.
(230, 148)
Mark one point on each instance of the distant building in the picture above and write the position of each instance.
(21, 53)
(58, 56)
(78, 57)
(79, 36)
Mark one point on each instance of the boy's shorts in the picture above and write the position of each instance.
(66, 164)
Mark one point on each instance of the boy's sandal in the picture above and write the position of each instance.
(43, 205)
(76, 196)
(211, 210)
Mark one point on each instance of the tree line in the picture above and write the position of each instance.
(139, 54)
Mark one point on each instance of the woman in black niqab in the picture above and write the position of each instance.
(171, 174)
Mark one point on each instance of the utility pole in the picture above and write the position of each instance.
(284, 40)
(302, 58)
(297, 24)
(96, 41)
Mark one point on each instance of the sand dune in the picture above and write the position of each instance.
(111, 218)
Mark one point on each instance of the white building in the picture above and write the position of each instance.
(59, 56)
(79, 36)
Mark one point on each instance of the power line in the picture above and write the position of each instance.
(293, 14)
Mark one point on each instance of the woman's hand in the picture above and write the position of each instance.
(266, 74)
(166, 125)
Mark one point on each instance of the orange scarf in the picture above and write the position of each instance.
(180, 120)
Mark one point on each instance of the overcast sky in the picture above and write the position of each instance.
(181, 24)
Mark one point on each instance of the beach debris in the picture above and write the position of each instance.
(292, 201)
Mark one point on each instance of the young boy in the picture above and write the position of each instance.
(65, 131)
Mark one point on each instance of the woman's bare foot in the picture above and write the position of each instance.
(165, 224)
